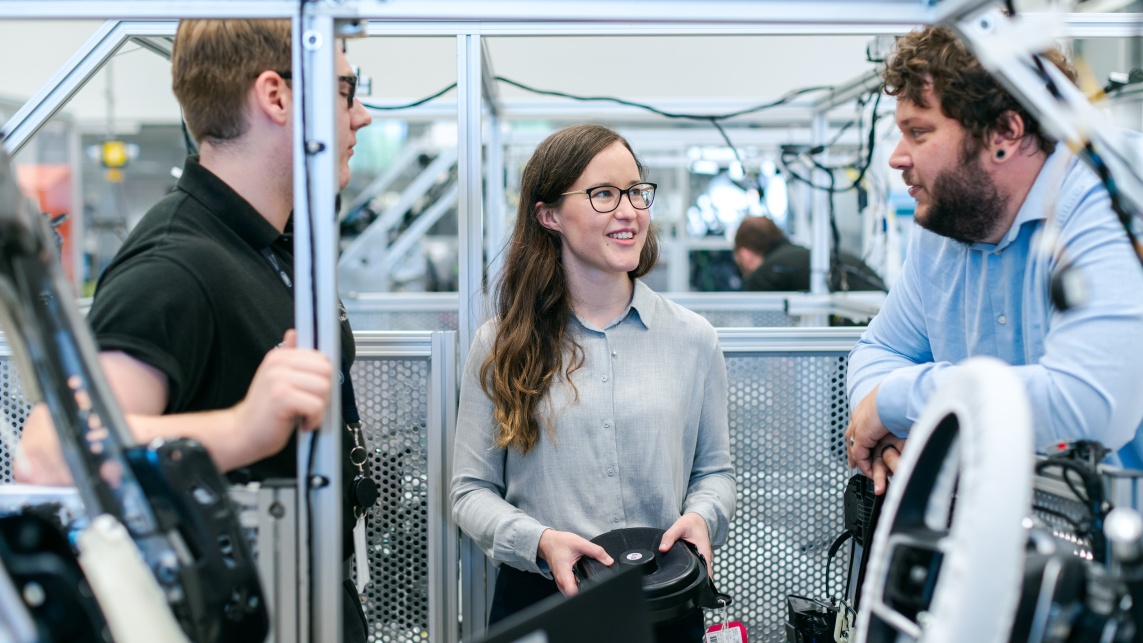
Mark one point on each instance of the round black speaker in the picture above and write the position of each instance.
(672, 581)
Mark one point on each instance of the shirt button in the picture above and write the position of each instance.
(613, 353)
(604, 378)
(1002, 319)
(615, 519)
(611, 472)
(607, 424)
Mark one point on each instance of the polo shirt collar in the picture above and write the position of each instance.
(223, 202)
(1040, 200)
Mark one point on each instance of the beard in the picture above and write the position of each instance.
(965, 204)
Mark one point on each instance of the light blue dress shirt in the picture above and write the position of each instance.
(1083, 368)
(643, 439)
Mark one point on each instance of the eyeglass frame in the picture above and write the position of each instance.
(588, 191)
(349, 80)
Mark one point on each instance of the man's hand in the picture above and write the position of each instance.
(561, 550)
(886, 456)
(38, 458)
(692, 528)
(865, 430)
(290, 390)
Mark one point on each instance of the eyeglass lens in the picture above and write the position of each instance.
(606, 198)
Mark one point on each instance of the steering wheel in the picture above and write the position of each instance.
(947, 558)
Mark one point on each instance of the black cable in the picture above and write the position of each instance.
(785, 98)
(416, 103)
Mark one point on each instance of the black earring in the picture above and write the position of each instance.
(1000, 154)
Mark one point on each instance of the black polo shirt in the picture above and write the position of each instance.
(192, 294)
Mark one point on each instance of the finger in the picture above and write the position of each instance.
(670, 537)
(880, 476)
(892, 457)
(565, 581)
(600, 554)
(290, 339)
(860, 454)
(848, 438)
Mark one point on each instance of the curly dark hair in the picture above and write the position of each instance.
(933, 56)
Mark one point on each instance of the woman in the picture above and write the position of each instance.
(589, 403)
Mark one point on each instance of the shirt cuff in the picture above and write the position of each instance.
(709, 514)
(520, 548)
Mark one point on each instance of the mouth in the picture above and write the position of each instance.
(621, 235)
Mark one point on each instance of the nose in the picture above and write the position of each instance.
(900, 158)
(625, 210)
(359, 116)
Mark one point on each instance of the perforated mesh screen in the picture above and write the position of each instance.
(748, 318)
(412, 320)
(15, 408)
(787, 418)
(392, 397)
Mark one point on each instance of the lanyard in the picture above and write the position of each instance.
(349, 412)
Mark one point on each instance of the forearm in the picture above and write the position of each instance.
(713, 498)
(218, 431)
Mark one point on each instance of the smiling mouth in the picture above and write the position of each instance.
(622, 235)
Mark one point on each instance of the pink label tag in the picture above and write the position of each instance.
(735, 632)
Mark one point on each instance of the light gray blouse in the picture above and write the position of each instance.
(645, 442)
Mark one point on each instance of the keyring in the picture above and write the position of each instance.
(363, 455)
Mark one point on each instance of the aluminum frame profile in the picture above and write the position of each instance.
(74, 74)
(443, 545)
(789, 340)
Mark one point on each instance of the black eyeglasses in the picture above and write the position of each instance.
(349, 80)
(606, 198)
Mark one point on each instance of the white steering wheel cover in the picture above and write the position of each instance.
(981, 575)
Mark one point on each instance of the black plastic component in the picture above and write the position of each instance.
(224, 600)
(43, 568)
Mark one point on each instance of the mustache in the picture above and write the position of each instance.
(907, 178)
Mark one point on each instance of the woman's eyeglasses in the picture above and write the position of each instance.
(606, 198)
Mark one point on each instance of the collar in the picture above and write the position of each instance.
(643, 301)
(1041, 199)
(224, 203)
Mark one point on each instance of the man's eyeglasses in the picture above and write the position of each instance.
(348, 80)
(606, 198)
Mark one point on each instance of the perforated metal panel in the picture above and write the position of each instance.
(403, 320)
(787, 418)
(15, 408)
(392, 397)
(748, 318)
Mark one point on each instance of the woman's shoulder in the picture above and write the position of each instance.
(675, 318)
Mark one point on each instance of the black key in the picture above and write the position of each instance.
(365, 492)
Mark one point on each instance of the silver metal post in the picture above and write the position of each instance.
(315, 251)
(469, 174)
(820, 248)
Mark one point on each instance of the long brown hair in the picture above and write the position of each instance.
(533, 303)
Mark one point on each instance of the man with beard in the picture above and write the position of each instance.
(976, 280)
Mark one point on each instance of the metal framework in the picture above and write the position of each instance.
(315, 163)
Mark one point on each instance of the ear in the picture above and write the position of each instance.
(271, 98)
(547, 216)
(1005, 140)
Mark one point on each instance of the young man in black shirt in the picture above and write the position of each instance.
(189, 313)
(769, 261)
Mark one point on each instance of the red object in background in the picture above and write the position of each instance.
(49, 184)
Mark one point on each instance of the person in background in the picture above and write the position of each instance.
(589, 403)
(976, 281)
(769, 261)
(190, 311)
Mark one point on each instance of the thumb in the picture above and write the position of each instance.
(670, 537)
(290, 339)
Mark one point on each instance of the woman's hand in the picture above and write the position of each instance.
(561, 550)
(692, 528)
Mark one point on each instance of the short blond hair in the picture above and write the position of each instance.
(213, 65)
